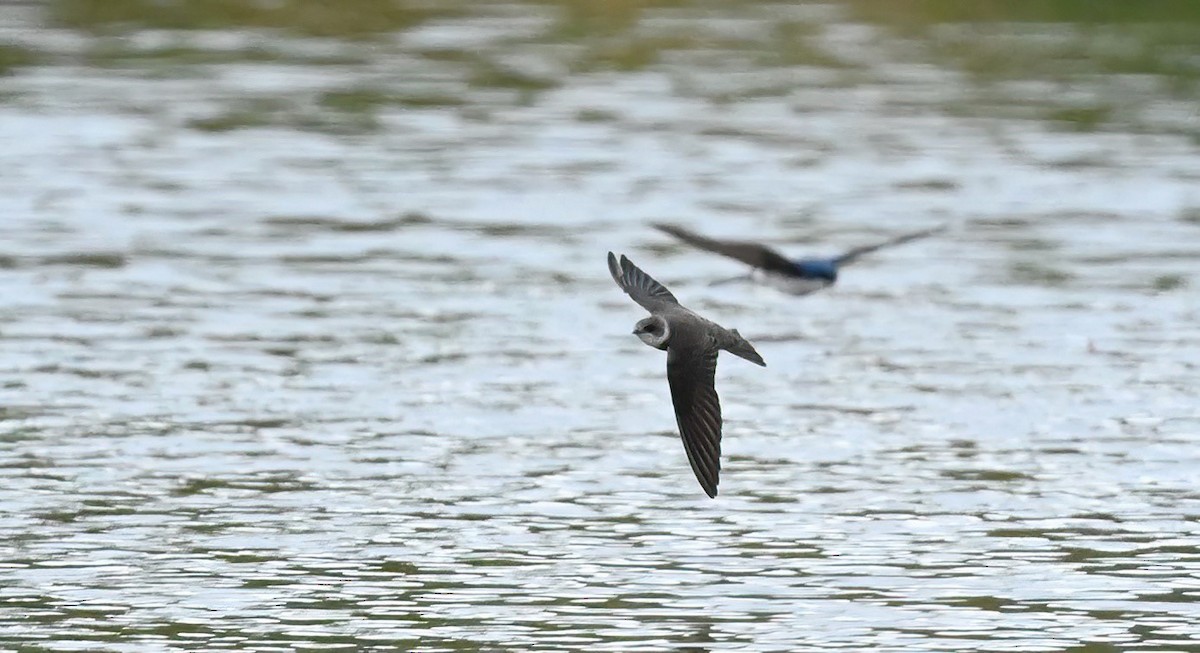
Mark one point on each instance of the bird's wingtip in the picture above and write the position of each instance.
(614, 268)
(668, 228)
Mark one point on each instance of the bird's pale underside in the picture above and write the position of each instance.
(692, 344)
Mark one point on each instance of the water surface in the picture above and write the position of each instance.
(307, 340)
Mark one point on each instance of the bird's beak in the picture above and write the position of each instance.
(634, 332)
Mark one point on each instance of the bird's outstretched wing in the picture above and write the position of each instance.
(853, 255)
(692, 375)
(648, 293)
(753, 254)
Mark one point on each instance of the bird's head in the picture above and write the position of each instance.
(653, 331)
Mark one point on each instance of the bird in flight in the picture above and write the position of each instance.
(692, 344)
(795, 276)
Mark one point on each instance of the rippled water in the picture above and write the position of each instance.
(312, 345)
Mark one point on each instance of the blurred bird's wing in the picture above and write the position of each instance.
(648, 293)
(752, 254)
(692, 376)
(853, 255)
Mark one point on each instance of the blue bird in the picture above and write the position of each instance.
(795, 276)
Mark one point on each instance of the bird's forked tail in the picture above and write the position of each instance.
(739, 346)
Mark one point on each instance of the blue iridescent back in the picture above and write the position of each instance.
(817, 268)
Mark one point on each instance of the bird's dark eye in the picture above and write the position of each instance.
(651, 328)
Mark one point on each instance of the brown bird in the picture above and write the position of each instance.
(692, 344)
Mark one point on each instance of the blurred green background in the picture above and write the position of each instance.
(1061, 42)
